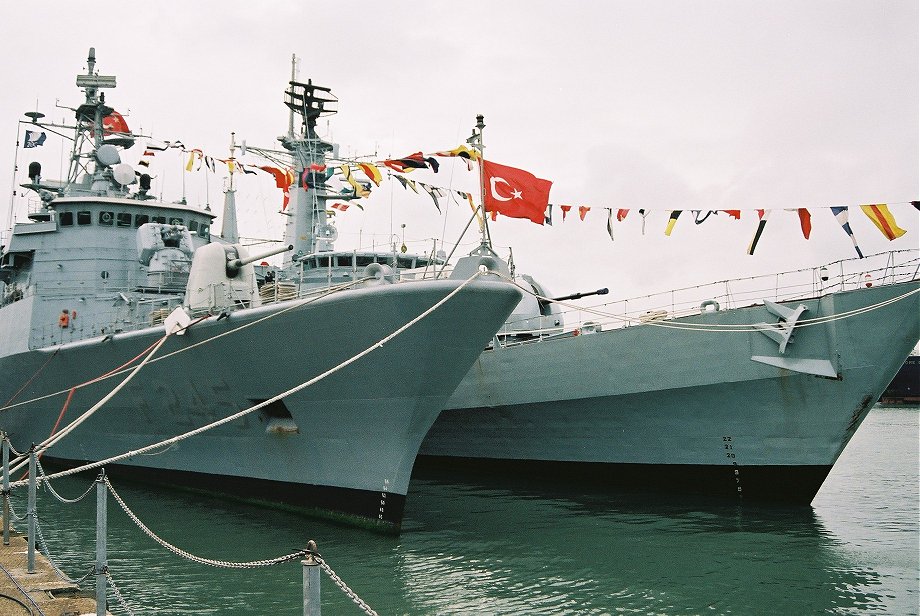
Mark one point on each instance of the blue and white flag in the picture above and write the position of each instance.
(33, 139)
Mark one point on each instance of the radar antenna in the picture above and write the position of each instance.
(310, 102)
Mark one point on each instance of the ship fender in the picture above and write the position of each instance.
(704, 307)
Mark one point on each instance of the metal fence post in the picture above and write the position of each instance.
(101, 522)
(30, 512)
(6, 490)
(311, 597)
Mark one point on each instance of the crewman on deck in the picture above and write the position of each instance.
(64, 319)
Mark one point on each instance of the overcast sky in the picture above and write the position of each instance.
(655, 105)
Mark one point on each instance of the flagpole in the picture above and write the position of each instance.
(9, 219)
(476, 141)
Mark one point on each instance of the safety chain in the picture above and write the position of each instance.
(198, 559)
(343, 586)
(47, 483)
(13, 451)
(13, 511)
(91, 571)
(43, 546)
(117, 593)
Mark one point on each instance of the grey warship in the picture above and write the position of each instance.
(102, 271)
(738, 394)
(743, 389)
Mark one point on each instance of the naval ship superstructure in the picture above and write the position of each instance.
(101, 271)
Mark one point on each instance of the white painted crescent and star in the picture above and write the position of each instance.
(515, 193)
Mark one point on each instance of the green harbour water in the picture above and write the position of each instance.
(496, 548)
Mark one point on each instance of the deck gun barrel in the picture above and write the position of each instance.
(603, 291)
(234, 265)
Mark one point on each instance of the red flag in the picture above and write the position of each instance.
(805, 219)
(114, 123)
(583, 211)
(736, 214)
(565, 210)
(515, 192)
(621, 214)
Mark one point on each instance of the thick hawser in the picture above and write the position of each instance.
(87, 282)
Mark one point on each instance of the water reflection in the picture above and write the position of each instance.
(485, 547)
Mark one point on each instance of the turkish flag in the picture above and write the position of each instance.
(515, 192)
(114, 123)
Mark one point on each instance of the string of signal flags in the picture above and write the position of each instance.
(510, 192)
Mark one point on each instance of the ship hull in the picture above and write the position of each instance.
(345, 445)
(660, 408)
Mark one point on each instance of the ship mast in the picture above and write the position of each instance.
(228, 229)
(306, 228)
(475, 140)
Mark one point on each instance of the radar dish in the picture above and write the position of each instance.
(107, 155)
(123, 173)
(327, 232)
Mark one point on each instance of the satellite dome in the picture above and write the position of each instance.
(123, 173)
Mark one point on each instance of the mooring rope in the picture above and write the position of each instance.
(53, 440)
(713, 327)
(297, 303)
(379, 344)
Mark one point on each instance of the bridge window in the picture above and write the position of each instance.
(141, 219)
(84, 218)
(193, 226)
(65, 219)
(123, 219)
(106, 218)
(159, 219)
(344, 260)
(204, 231)
(176, 221)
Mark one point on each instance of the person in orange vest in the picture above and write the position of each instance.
(64, 319)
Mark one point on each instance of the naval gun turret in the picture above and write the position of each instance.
(222, 278)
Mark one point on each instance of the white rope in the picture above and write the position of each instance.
(716, 327)
(329, 291)
(54, 439)
(293, 390)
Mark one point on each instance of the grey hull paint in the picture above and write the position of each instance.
(647, 397)
(358, 430)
